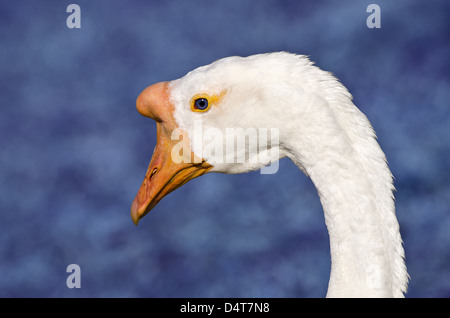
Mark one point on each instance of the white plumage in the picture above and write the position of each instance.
(320, 130)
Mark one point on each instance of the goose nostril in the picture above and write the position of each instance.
(153, 173)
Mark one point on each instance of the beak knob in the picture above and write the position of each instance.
(154, 102)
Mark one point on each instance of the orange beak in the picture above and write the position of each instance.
(165, 172)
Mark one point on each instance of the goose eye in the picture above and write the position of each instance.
(201, 104)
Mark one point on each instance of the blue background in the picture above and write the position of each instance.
(74, 150)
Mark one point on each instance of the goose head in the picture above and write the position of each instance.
(214, 119)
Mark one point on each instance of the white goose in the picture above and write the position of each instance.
(320, 130)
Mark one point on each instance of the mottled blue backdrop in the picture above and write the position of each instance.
(74, 150)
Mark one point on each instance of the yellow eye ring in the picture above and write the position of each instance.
(201, 103)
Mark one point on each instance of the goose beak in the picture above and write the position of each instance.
(169, 167)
